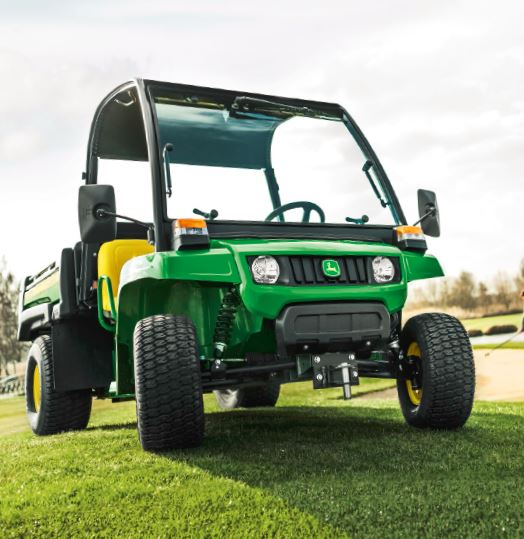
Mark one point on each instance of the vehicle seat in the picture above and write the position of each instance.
(112, 256)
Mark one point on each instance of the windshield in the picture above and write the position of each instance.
(250, 165)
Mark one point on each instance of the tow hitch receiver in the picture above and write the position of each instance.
(335, 370)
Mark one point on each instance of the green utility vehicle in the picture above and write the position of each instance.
(257, 241)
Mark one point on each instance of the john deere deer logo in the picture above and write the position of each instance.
(330, 268)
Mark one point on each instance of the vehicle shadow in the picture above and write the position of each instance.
(265, 447)
(338, 463)
(345, 464)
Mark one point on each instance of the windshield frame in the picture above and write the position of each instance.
(146, 89)
(227, 97)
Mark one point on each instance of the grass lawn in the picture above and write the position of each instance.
(485, 323)
(316, 466)
(509, 345)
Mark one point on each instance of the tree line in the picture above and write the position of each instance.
(11, 351)
(500, 294)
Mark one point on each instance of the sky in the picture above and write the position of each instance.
(437, 87)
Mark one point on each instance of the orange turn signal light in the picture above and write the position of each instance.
(411, 238)
(190, 223)
(190, 234)
(406, 232)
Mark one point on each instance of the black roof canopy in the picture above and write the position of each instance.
(207, 126)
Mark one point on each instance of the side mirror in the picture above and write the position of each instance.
(93, 227)
(428, 213)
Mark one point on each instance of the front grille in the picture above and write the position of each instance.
(307, 270)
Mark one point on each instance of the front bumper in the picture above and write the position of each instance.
(317, 328)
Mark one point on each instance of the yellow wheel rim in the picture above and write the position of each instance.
(415, 395)
(36, 388)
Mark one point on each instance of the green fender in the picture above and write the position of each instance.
(419, 266)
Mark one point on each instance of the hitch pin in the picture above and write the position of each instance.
(346, 384)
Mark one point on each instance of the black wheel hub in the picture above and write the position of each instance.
(411, 368)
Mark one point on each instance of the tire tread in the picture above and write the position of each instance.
(64, 410)
(448, 358)
(170, 409)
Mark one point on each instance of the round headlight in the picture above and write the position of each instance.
(265, 270)
(383, 269)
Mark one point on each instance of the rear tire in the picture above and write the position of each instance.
(439, 392)
(169, 404)
(249, 397)
(50, 411)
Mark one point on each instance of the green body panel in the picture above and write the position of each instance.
(193, 283)
(213, 265)
(44, 290)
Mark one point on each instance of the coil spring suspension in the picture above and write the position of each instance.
(225, 318)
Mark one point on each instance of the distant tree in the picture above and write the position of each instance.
(505, 293)
(519, 279)
(418, 296)
(10, 348)
(463, 291)
(483, 297)
(433, 293)
(445, 293)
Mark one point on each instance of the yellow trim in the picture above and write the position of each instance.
(36, 388)
(415, 395)
(112, 256)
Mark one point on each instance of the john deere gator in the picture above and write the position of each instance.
(254, 269)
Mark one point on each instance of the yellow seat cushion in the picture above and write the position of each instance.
(112, 256)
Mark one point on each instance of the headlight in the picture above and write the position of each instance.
(383, 269)
(265, 270)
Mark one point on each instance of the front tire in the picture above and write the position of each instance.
(50, 411)
(249, 397)
(169, 404)
(437, 386)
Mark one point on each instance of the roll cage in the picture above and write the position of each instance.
(126, 126)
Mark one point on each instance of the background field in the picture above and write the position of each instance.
(316, 466)
(485, 323)
(512, 345)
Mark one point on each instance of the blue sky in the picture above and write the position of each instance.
(436, 86)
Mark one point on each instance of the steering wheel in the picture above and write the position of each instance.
(307, 206)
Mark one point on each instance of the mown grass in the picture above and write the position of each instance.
(316, 466)
(512, 345)
(485, 323)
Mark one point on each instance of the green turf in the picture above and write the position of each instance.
(485, 323)
(316, 466)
